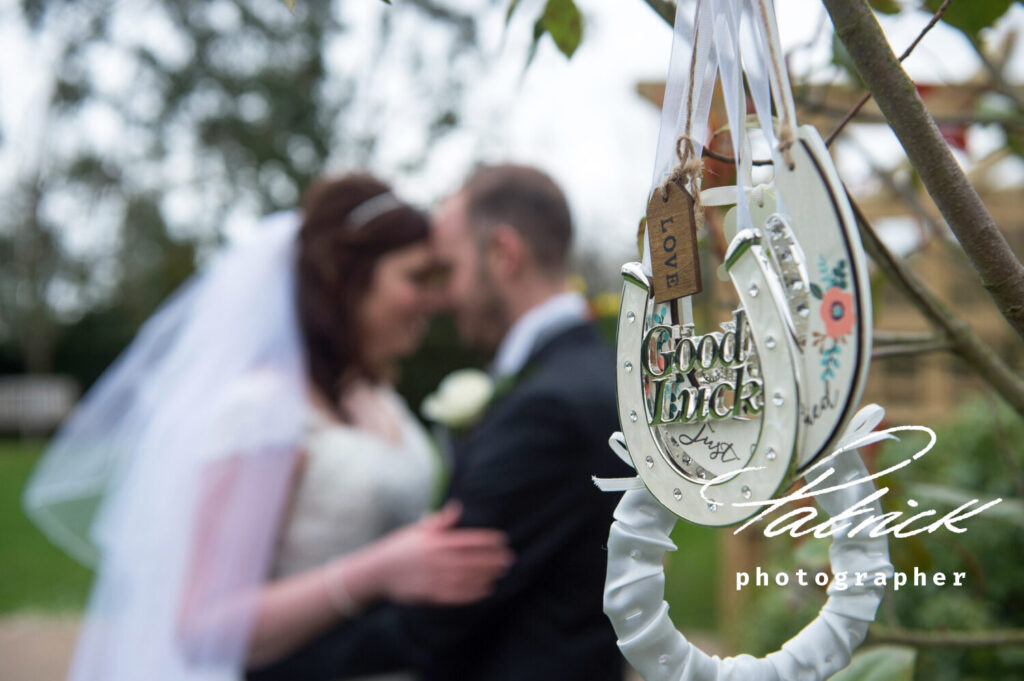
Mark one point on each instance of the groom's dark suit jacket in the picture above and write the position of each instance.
(525, 468)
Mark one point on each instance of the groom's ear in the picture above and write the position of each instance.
(509, 256)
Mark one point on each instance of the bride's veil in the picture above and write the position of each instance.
(171, 476)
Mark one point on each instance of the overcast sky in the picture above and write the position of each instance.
(580, 119)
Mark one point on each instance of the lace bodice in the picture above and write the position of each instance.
(354, 488)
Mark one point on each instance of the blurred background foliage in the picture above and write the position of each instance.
(978, 454)
(234, 111)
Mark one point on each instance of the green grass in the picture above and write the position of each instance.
(691, 576)
(34, 574)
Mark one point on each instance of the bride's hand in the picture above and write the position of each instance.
(433, 562)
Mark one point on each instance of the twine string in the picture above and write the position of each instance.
(690, 168)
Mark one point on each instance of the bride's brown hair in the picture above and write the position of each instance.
(339, 247)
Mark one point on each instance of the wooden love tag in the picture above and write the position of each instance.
(672, 235)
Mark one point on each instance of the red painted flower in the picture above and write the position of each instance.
(837, 311)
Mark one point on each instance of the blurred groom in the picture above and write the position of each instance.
(525, 467)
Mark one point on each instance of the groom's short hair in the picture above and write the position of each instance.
(527, 200)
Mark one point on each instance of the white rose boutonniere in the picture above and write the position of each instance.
(460, 399)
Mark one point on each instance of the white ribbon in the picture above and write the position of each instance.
(713, 49)
(757, 71)
(635, 587)
(766, 31)
(687, 103)
(747, 46)
(767, 57)
(618, 444)
(691, 46)
(727, 45)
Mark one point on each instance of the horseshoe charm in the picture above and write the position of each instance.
(716, 423)
(699, 412)
(836, 295)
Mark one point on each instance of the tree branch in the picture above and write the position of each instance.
(867, 95)
(890, 350)
(666, 9)
(885, 344)
(1011, 121)
(711, 153)
(882, 337)
(992, 638)
(1001, 272)
(963, 340)
(994, 70)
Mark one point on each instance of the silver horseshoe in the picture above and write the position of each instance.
(777, 437)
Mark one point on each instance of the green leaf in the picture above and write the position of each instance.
(885, 6)
(511, 8)
(538, 32)
(563, 21)
(881, 663)
(816, 291)
(971, 17)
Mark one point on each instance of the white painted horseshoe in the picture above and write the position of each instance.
(676, 475)
(635, 586)
(822, 223)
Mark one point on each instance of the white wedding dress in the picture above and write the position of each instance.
(203, 413)
(355, 487)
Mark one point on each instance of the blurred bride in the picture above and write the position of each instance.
(244, 475)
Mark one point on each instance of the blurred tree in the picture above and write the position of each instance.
(35, 264)
(166, 122)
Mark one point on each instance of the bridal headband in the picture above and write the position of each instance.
(371, 209)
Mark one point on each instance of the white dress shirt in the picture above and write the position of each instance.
(540, 323)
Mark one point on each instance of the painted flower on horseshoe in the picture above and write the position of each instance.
(837, 311)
